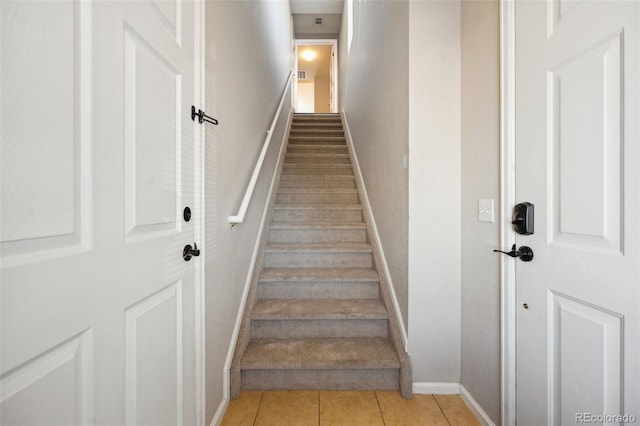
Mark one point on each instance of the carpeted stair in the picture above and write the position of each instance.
(316, 316)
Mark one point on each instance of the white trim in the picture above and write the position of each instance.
(334, 72)
(199, 225)
(244, 205)
(222, 409)
(374, 231)
(247, 285)
(436, 388)
(507, 199)
(475, 408)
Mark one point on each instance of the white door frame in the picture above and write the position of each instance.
(334, 72)
(507, 201)
(199, 210)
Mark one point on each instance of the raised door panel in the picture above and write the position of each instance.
(170, 12)
(585, 360)
(585, 123)
(45, 133)
(153, 140)
(59, 383)
(153, 346)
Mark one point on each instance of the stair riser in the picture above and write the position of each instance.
(318, 290)
(317, 198)
(318, 215)
(307, 140)
(303, 171)
(317, 126)
(317, 119)
(342, 149)
(318, 183)
(318, 328)
(318, 235)
(317, 129)
(306, 132)
(292, 259)
(362, 379)
(312, 159)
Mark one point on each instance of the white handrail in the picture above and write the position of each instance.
(239, 217)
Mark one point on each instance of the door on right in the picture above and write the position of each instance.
(577, 157)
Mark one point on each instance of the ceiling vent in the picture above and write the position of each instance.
(302, 74)
(319, 21)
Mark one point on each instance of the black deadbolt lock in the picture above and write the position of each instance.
(523, 218)
(186, 214)
(188, 252)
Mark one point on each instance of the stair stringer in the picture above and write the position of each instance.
(397, 332)
(244, 328)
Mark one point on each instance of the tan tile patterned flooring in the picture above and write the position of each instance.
(324, 408)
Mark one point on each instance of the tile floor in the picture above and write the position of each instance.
(324, 408)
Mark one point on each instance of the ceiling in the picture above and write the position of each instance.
(305, 13)
(327, 7)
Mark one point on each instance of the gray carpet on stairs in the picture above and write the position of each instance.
(318, 320)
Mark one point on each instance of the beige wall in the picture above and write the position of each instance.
(376, 106)
(434, 191)
(480, 38)
(447, 84)
(400, 89)
(322, 99)
(240, 38)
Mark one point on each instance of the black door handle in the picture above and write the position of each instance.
(189, 252)
(524, 253)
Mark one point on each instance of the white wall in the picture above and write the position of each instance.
(480, 38)
(434, 190)
(241, 37)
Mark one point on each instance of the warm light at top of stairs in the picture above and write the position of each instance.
(309, 55)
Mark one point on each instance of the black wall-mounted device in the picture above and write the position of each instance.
(523, 218)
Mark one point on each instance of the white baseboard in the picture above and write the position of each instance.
(438, 388)
(475, 408)
(222, 408)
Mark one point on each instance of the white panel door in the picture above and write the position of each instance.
(97, 155)
(577, 161)
(306, 98)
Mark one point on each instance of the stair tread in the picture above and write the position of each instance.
(323, 206)
(319, 131)
(316, 137)
(318, 225)
(318, 190)
(319, 274)
(317, 177)
(306, 309)
(318, 247)
(319, 155)
(316, 146)
(329, 353)
(318, 165)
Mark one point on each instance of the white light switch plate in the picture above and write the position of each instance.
(485, 211)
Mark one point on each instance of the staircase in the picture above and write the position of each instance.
(318, 316)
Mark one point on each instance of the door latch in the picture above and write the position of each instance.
(190, 252)
(524, 253)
